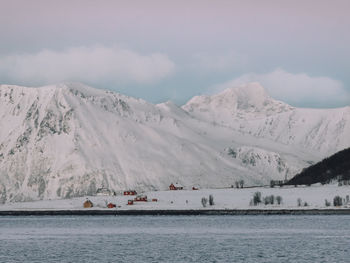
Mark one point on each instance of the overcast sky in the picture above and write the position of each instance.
(173, 50)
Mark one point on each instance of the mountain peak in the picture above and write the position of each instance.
(251, 95)
(244, 101)
(249, 89)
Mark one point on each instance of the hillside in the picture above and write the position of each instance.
(337, 165)
(68, 140)
(248, 109)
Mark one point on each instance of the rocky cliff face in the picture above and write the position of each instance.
(68, 140)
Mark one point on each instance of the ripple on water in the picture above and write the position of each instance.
(175, 239)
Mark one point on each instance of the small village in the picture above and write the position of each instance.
(273, 196)
(132, 193)
(179, 197)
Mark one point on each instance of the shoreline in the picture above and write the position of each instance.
(197, 212)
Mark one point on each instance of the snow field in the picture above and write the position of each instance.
(231, 198)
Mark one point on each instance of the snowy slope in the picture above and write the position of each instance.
(68, 140)
(248, 109)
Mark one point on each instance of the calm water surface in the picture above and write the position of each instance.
(175, 239)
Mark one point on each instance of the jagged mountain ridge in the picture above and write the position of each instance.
(248, 109)
(68, 140)
(248, 102)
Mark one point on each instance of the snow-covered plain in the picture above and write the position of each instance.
(230, 198)
(68, 140)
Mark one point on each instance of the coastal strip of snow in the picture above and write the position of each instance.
(230, 198)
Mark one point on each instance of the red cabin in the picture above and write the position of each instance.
(176, 187)
(140, 198)
(154, 200)
(195, 188)
(130, 192)
(130, 202)
(111, 205)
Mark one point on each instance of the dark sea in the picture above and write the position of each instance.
(175, 239)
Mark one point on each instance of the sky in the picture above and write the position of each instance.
(162, 50)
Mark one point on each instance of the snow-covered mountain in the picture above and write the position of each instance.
(69, 140)
(248, 109)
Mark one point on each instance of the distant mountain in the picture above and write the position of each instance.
(337, 165)
(69, 140)
(248, 109)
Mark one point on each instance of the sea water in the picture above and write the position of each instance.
(175, 239)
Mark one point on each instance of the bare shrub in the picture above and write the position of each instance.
(269, 200)
(211, 200)
(299, 202)
(204, 201)
(337, 201)
(241, 183)
(279, 199)
(266, 200)
(237, 184)
(257, 198)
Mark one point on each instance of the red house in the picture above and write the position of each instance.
(130, 202)
(140, 198)
(130, 192)
(111, 205)
(176, 187)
